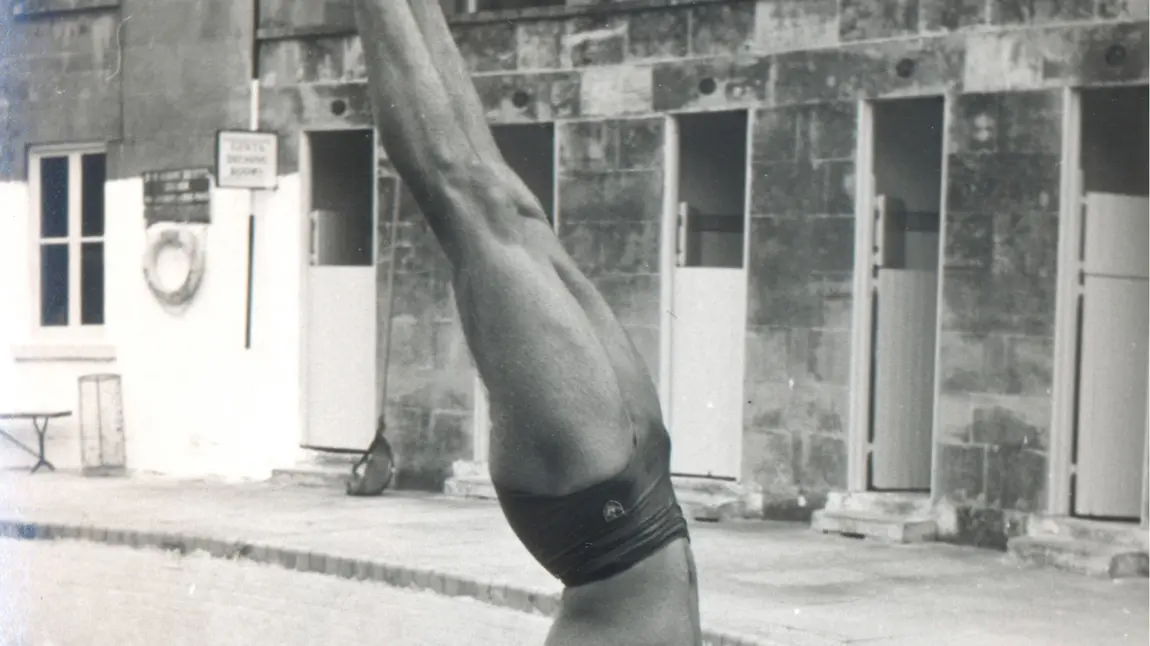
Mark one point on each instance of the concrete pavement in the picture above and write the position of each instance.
(68, 593)
(764, 583)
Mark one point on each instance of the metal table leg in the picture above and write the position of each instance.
(41, 427)
(18, 443)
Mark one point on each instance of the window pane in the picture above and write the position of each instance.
(92, 222)
(92, 283)
(53, 197)
(54, 284)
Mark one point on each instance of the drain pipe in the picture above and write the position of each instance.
(254, 72)
(253, 125)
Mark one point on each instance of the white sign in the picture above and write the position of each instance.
(246, 159)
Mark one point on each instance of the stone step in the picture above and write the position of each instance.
(879, 502)
(877, 526)
(703, 500)
(318, 469)
(1083, 557)
(1124, 534)
(469, 486)
(707, 510)
(312, 476)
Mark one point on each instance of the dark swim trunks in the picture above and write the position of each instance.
(595, 533)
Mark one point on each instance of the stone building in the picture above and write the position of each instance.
(852, 238)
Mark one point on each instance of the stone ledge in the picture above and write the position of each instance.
(883, 516)
(717, 500)
(1118, 534)
(878, 526)
(469, 487)
(1091, 558)
(562, 12)
(492, 593)
(40, 8)
(894, 504)
(575, 10)
(702, 499)
(318, 469)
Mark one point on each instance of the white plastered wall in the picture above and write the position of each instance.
(196, 402)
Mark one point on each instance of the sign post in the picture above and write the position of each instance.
(247, 159)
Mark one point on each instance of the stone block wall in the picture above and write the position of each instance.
(997, 330)
(186, 71)
(801, 67)
(155, 80)
(309, 16)
(313, 83)
(607, 75)
(320, 83)
(430, 374)
(610, 205)
(54, 56)
(799, 303)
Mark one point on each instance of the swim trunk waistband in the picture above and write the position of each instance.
(603, 530)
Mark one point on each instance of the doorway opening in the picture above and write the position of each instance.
(907, 195)
(529, 149)
(712, 189)
(342, 198)
(1112, 303)
(708, 295)
(341, 290)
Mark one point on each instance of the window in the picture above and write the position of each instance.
(67, 208)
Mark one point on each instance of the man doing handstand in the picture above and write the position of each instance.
(580, 457)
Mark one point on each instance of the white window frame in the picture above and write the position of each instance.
(74, 331)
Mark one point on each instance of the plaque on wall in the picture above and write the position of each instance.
(182, 195)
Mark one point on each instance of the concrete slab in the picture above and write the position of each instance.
(774, 582)
(1091, 558)
(878, 526)
(1111, 533)
(880, 502)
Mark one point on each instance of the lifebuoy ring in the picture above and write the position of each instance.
(187, 243)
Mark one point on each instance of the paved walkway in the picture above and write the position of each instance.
(68, 593)
(772, 583)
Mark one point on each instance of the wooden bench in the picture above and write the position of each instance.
(39, 421)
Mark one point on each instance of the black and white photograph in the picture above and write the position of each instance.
(575, 322)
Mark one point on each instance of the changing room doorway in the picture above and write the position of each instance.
(1112, 303)
(340, 332)
(708, 294)
(903, 266)
(529, 149)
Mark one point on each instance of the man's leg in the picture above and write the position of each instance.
(456, 78)
(570, 403)
(460, 87)
(470, 114)
(551, 378)
(413, 114)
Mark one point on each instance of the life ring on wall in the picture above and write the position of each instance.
(186, 241)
